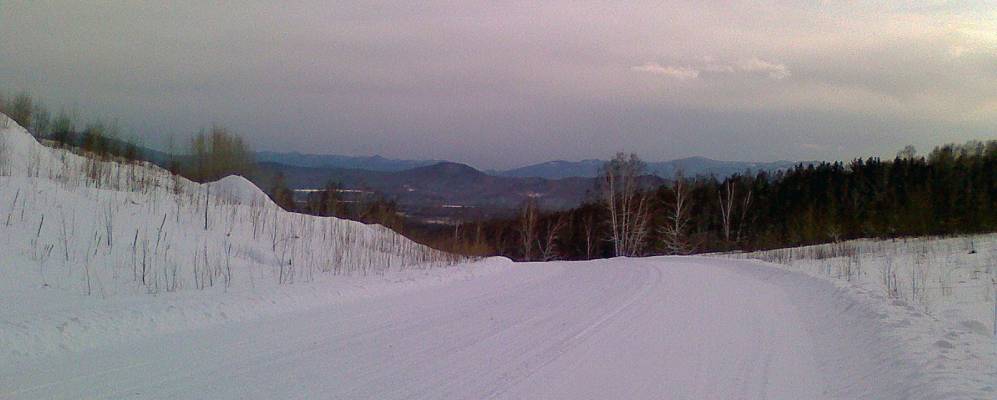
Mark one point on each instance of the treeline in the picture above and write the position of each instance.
(98, 137)
(952, 190)
(208, 155)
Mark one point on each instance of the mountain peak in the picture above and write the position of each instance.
(450, 168)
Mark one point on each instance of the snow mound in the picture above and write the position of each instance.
(238, 190)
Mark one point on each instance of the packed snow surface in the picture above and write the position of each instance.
(660, 328)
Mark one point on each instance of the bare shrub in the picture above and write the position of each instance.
(20, 110)
(5, 156)
(217, 154)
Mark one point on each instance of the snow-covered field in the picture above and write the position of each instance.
(118, 281)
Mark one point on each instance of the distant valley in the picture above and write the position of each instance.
(443, 190)
(433, 190)
(560, 169)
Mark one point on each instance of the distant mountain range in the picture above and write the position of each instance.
(560, 169)
(692, 166)
(443, 191)
(433, 190)
(370, 163)
(441, 185)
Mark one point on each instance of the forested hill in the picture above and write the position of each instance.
(952, 190)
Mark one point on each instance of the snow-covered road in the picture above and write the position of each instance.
(659, 328)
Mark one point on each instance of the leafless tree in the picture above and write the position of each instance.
(674, 232)
(726, 197)
(528, 216)
(217, 154)
(728, 204)
(20, 110)
(589, 222)
(548, 246)
(626, 202)
(745, 206)
(908, 153)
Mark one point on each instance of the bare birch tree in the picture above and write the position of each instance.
(726, 197)
(528, 227)
(627, 203)
(588, 225)
(548, 246)
(728, 202)
(745, 205)
(674, 231)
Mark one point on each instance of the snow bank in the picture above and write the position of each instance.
(77, 233)
(928, 302)
(953, 279)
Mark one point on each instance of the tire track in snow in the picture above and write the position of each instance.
(555, 350)
(623, 328)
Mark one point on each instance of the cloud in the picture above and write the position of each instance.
(654, 68)
(754, 64)
(487, 84)
(718, 68)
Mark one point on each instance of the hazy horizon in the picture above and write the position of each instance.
(501, 86)
(607, 157)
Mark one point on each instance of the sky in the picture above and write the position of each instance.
(509, 83)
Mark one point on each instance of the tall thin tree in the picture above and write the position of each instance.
(627, 203)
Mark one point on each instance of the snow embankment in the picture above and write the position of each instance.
(79, 234)
(930, 301)
(953, 278)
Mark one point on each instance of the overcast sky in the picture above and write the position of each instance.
(500, 84)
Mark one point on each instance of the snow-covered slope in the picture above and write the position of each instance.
(73, 227)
